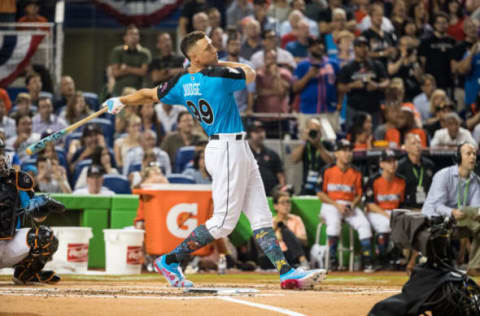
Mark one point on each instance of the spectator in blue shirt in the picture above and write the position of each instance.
(314, 80)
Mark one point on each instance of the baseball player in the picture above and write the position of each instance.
(340, 189)
(206, 89)
(25, 249)
(384, 192)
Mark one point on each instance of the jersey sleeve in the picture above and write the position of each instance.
(166, 92)
(231, 79)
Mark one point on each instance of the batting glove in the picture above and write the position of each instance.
(114, 105)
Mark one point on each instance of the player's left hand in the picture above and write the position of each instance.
(114, 105)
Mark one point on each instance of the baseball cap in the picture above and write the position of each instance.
(388, 155)
(361, 40)
(95, 171)
(341, 144)
(256, 126)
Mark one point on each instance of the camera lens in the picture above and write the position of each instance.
(312, 134)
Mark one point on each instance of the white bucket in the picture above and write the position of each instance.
(123, 249)
(72, 253)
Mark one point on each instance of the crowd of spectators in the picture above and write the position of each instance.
(397, 74)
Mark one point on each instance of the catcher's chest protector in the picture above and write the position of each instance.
(9, 203)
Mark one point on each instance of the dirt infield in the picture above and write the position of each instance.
(341, 294)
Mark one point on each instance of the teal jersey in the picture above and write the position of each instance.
(208, 96)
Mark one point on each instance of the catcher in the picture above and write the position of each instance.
(27, 250)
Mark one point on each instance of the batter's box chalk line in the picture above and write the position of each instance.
(221, 290)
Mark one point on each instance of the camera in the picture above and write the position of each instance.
(410, 51)
(312, 134)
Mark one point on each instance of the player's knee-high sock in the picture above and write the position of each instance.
(382, 244)
(366, 248)
(197, 239)
(332, 248)
(266, 240)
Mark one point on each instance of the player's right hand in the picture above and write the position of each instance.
(114, 105)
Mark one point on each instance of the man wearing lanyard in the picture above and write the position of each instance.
(313, 155)
(417, 172)
(454, 189)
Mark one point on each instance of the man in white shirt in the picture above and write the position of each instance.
(452, 135)
(167, 115)
(94, 183)
(6, 123)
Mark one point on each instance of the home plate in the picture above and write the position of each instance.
(220, 290)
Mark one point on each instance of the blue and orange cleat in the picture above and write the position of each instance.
(301, 279)
(171, 272)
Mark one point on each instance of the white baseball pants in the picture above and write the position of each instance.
(380, 223)
(236, 186)
(333, 219)
(14, 250)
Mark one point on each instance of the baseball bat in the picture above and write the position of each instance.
(40, 145)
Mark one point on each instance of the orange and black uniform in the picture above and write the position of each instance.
(386, 194)
(341, 185)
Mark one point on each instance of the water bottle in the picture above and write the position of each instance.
(222, 264)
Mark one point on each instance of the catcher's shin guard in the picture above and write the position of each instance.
(43, 245)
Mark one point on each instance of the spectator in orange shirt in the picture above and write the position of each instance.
(32, 16)
(340, 189)
(405, 125)
(384, 192)
(290, 230)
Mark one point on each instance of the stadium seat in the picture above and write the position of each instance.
(29, 161)
(78, 169)
(92, 100)
(134, 168)
(117, 183)
(70, 137)
(180, 178)
(183, 156)
(62, 160)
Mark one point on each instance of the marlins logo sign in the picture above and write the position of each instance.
(139, 12)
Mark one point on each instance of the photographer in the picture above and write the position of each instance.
(454, 188)
(314, 80)
(313, 155)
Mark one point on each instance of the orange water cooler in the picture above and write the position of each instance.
(171, 212)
